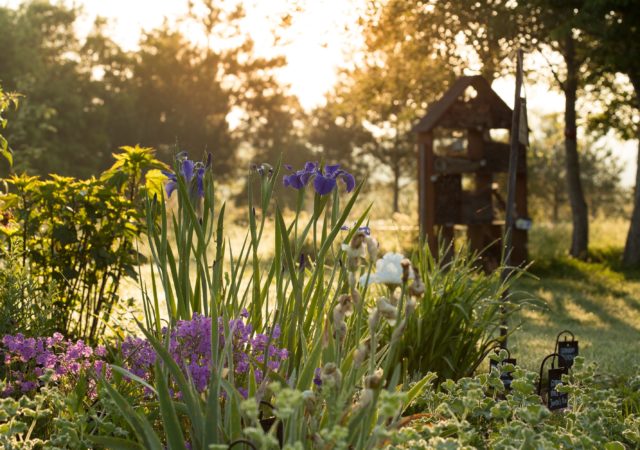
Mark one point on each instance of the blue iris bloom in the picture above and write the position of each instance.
(191, 171)
(324, 181)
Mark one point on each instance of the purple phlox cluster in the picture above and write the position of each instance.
(26, 359)
(190, 348)
(324, 180)
(191, 171)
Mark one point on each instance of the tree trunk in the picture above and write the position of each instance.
(632, 247)
(396, 187)
(579, 212)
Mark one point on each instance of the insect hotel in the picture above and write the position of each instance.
(463, 160)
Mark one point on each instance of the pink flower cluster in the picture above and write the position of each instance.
(26, 359)
(190, 348)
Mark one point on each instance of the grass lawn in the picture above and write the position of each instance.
(597, 300)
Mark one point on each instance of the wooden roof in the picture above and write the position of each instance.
(499, 111)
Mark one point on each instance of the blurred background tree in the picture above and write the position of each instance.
(198, 84)
(601, 175)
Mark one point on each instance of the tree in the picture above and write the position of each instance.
(613, 28)
(554, 25)
(601, 173)
(490, 30)
(378, 100)
(40, 58)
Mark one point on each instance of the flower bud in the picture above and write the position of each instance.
(398, 331)
(360, 355)
(372, 248)
(406, 265)
(345, 303)
(417, 287)
(387, 310)
(309, 400)
(375, 380)
(366, 398)
(411, 306)
(355, 296)
(331, 375)
(374, 316)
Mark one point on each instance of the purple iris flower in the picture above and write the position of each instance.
(191, 171)
(324, 181)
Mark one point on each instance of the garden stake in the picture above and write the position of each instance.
(505, 377)
(555, 399)
(567, 349)
(511, 190)
(242, 441)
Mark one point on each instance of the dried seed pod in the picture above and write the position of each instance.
(309, 400)
(352, 279)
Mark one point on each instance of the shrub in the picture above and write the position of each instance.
(78, 236)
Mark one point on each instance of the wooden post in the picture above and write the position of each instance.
(511, 187)
(426, 194)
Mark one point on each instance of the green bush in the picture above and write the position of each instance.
(458, 318)
(25, 306)
(77, 237)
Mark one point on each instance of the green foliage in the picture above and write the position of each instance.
(25, 305)
(478, 413)
(600, 174)
(6, 100)
(300, 298)
(86, 95)
(457, 319)
(76, 237)
(56, 419)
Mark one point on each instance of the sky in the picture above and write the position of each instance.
(321, 39)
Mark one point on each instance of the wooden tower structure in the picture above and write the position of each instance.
(460, 166)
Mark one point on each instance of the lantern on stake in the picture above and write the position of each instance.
(505, 377)
(555, 399)
(568, 349)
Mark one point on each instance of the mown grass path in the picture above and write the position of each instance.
(597, 300)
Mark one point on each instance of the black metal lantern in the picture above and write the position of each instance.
(555, 399)
(244, 442)
(506, 377)
(568, 349)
